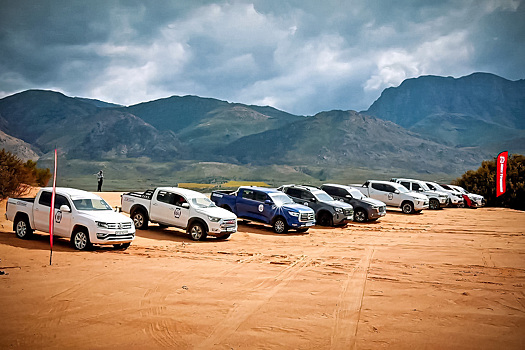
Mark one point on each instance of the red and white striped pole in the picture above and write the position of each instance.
(52, 211)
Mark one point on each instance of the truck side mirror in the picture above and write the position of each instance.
(185, 205)
(396, 191)
(64, 208)
(268, 202)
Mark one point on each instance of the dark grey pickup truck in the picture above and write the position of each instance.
(365, 209)
(328, 212)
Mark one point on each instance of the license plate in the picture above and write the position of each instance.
(309, 224)
(230, 229)
(121, 232)
(349, 218)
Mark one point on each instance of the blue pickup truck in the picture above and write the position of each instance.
(266, 205)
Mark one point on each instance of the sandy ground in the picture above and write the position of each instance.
(452, 278)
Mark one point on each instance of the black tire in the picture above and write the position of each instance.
(360, 215)
(22, 228)
(80, 240)
(408, 208)
(123, 246)
(280, 225)
(223, 237)
(433, 204)
(197, 231)
(140, 219)
(325, 219)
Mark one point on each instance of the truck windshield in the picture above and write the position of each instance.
(280, 199)
(402, 189)
(323, 196)
(202, 202)
(424, 186)
(356, 194)
(91, 204)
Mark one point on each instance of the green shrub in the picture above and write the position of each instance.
(17, 177)
(483, 182)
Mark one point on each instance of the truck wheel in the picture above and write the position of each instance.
(81, 240)
(140, 219)
(434, 204)
(279, 225)
(360, 215)
(197, 232)
(325, 219)
(22, 228)
(408, 208)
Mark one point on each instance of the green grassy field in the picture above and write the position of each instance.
(142, 173)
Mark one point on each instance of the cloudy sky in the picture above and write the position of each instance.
(301, 56)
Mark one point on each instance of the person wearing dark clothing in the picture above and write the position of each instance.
(100, 178)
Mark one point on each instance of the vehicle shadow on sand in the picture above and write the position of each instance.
(172, 234)
(262, 229)
(41, 241)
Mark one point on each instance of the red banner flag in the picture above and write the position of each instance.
(501, 173)
(52, 210)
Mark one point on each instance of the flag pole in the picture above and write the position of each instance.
(52, 211)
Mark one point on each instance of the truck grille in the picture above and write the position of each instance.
(119, 226)
(304, 217)
(348, 212)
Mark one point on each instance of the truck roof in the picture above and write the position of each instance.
(262, 189)
(72, 192)
(182, 191)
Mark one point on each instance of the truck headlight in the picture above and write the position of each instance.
(339, 210)
(214, 219)
(102, 224)
(294, 213)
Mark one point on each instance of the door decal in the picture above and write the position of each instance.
(261, 208)
(58, 217)
(176, 213)
(390, 196)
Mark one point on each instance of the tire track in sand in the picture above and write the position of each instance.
(348, 312)
(242, 311)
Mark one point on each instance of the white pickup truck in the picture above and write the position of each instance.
(179, 207)
(81, 216)
(436, 199)
(394, 195)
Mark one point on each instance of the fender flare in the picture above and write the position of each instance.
(199, 220)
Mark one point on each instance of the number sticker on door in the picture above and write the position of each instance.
(58, 217)
(176, 213)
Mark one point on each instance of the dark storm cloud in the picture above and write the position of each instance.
(300, 56)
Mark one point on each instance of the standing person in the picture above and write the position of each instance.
(100, 178)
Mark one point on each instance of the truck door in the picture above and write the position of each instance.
(62, 224)
(41, 211)
(378, 191)
(166, 208)
(246, 205)
(265, 207)
(62, 221)
(393, 197)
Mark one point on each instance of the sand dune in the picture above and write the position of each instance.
(452, 278)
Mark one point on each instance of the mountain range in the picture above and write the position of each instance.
(426, 125)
